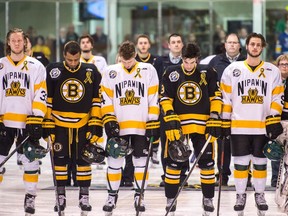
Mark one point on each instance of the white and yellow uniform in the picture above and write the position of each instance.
(131, 96)
(98, 61)
(250, 96)
(23, 90)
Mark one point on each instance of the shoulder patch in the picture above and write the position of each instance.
(236, 73)
(174, 76)
(54, 73)
(112, 74)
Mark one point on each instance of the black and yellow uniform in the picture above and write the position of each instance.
(192, 96)
(73, 98)
(150, 59)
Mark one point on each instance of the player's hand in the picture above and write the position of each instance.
(273, 126)
(226, 128)
(48, 126)
(213, 127)
(153, 129)
(111, 125)
(172, 126)
(34, 127)
(95, 129)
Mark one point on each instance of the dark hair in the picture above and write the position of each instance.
(11, 31)
(87, 36)
(127, 50)
(71, 47)
(191, 50)
(234, 35)
(142, 36)
(175, 35)
(256, 35)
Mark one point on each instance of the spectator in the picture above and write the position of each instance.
(62, 41)
(283, 41)
(2, 53)
(101, 42)
(242, 38)
(219, 63)
(40, 46)
(71, 34)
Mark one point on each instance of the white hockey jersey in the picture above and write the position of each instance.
(98, 61)
(23, 90)
(131, 96)
(250, 96)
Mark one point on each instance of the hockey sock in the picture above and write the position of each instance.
(241, 164)
(172, 180)
(207, 177)
(84, 175)
(259, 174)
(139, 164)
(114, 173)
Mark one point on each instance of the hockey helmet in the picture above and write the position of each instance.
(273, 150)
(33, 150)
(93, 153)
(179, 151)
(118, 147)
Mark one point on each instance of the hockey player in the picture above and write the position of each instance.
(252, 91)
(130, 111)
(73, 119)
(22, 108)
(191, 102)
(86, 44)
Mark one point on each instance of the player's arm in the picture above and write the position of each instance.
(215, 95)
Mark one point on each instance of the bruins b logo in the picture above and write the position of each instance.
(189, 93)
(72, 90)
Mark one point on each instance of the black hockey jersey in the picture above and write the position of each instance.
(73, 96)
(192, 96)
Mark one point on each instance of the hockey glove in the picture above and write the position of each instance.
(153, 129)
(3, 131)
(226, 128)
(48, 126)
(172, 126)
(273, 126)
(213, 127)
(111, 125)
(95, 129)
(34, 127)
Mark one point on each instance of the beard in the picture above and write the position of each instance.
(252, 55)
(86, 51)
(17, 53)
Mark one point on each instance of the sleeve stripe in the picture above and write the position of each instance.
(152, 90)
(226, 88)
(227, 108)
(154, 110)
(108, 91)
(107, 109)
(39, 85)
(278, 90)
(276, 107)
(40, 106)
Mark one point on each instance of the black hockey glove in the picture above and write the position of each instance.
(111, 125)
(48, 126)
(213, 127)
(3, 131)
(34, 127)
(172, 126)
(153, 129)
(95, 129)
(273, 126)
(226, 128)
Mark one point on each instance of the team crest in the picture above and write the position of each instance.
(236, 73)
(72, 90)
(252, 97)
(57, 147)
(174, 76)
(129, 98)
(112, 74)
(54, 73)
(189, 93)
(1, 66)
(15, 90)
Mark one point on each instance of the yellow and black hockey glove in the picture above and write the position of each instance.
(153, 129)
(95, 129)
(226, 128)
(213, 127)
(34, 127)
(172, 126)
(48, 126)
(3, 131)
(111, 125)
(273, 126)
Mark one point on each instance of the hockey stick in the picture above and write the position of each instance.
(54, 175)
(220, 173)
(189, 174)
(144, 175)
(13, 152)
